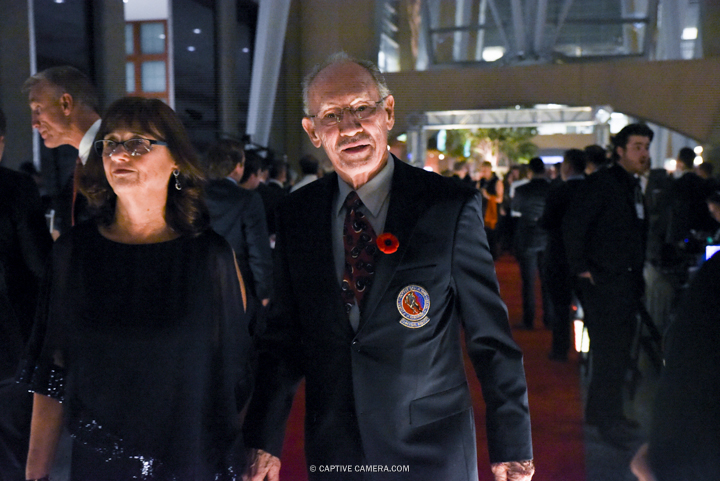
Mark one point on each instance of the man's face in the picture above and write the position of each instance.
(2, 145)
(635, 157)
(252, 182)
(565, 170)
(356, 148)
(50, 114)
(485, 172)
(714, 209)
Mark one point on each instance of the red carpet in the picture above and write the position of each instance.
(554, 393)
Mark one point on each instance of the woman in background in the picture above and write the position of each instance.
(141, 345)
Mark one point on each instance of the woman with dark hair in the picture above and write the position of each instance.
(141, 346)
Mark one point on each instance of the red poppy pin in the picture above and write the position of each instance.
(387, 243)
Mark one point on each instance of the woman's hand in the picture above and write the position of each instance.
(45, 429)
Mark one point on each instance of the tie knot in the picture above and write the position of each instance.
(352, 201)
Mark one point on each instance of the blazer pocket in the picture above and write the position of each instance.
(440, 405)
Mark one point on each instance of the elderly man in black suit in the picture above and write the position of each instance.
(530, 239)
(605, 236)
(238, 215)
(25, 244)
(379, 269)
(556, 272)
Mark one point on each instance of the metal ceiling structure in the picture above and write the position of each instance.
(490, 33)
(517, 117)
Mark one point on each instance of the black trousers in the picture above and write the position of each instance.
(611, 308)
(559, 288)
(15, 414)
(530, 262)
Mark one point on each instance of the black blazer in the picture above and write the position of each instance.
(25, 245)
(272, 194)
(389, 394)
(560, 197)
(602, 231)
(238, 215)
(529, 201)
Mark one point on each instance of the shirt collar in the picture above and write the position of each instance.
(372, 194)
(87, 141)
(232, 180)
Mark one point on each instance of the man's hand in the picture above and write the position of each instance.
(513, 470)
(263, 466)
(639, 465)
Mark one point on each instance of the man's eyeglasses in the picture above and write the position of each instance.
(134, 147)
(362, 111)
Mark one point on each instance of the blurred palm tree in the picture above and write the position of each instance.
(502, 147)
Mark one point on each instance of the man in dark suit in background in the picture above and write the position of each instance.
(252, 171)
(309, 168)
(25, 244)
(373, 326)
(238, 215)
(65, 109)
(687, 209)
(530, 239)
(605, 236)
(273, 192)
(556, 272)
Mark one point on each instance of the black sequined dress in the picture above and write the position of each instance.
(147, 346)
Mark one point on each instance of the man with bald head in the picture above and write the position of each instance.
(380, 267)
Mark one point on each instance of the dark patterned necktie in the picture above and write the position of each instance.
(360, 249)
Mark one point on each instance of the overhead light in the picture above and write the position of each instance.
(689, 33)
(59, 1)
(491, 54)
(246, 50)
(698, 160)
(197, 31)
(191, 48)
(698, 149)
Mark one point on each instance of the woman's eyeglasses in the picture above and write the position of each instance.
(134, 147)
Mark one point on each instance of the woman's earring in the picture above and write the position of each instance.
(176, 173)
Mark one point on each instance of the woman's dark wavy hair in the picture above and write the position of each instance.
(185, 210)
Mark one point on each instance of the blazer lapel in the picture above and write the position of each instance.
(406, 201)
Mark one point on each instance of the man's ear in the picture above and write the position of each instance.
(66, 103)
(309, 127)
(390, 110)
(239, 169)
(619, 152)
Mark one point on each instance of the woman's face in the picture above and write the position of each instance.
(146, 168)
